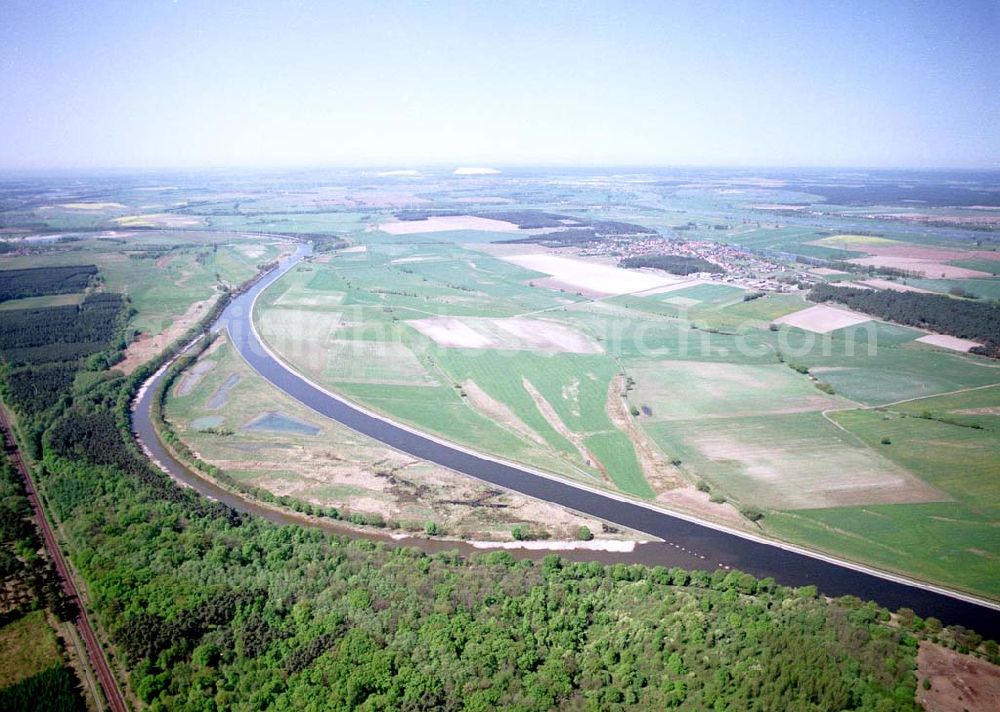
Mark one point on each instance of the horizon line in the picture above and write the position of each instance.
(499, 165)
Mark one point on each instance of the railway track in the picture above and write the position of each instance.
(98, 661)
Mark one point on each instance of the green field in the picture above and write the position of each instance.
(715, 389)
(52, 300)
(28, 646)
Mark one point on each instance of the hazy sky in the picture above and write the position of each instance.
(158, 84)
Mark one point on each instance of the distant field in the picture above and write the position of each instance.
(983, 288)
(854, 240)
(793, 240)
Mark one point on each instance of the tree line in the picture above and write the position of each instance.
(977, 321)
(39, 281)
(675, 264)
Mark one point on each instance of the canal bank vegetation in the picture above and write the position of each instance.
(208, 608)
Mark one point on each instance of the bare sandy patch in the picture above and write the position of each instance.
(822, 319)
(354, 249)
(958, 682)
(948, 342)
(977, 411)
(447, 223)
(690, 499)
(593, 276)
(147, 346)
(356, 474)
(515, 334)
(826, 271)
(453, 332)
(616, 545)
(557, 285)
(499, 413)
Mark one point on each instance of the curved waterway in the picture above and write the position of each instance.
(685, 542)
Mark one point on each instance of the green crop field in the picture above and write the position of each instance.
(682, 390)
(788, 461)
(735, 403)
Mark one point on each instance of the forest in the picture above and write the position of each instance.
(978, 321)
(675, 264)
(212, 609)
(48, 334)
(38, 281)
(560, 238)
(230, 612)
(30, 584)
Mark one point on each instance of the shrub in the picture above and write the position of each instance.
(752, 513)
